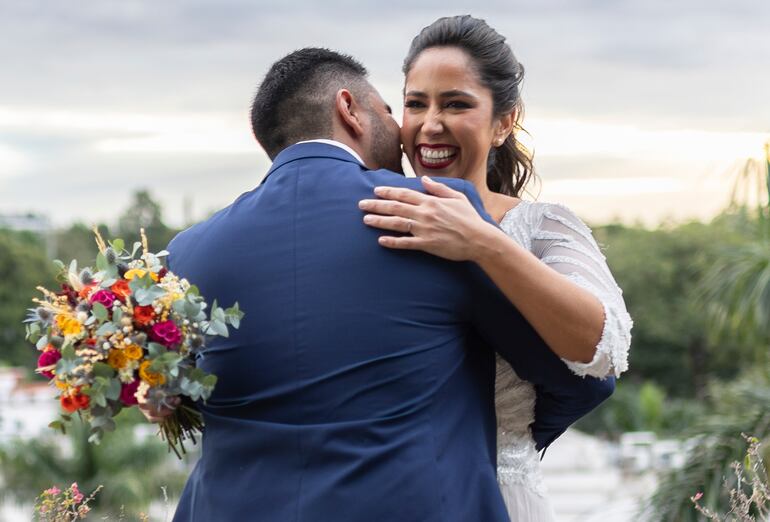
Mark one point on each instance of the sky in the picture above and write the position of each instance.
(637, 110)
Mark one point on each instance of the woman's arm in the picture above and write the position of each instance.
(563, 300)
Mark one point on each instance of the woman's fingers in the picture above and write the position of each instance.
(394, 223)
(390, 208)
(404, 195)
(401, 243)
(439, 189)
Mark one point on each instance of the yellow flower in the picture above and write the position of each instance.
(68, 324)
(133, 352)
(61, 384)
(117, 359)
(150, 377)
(139, 272)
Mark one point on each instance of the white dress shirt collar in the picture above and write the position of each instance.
(337, 144)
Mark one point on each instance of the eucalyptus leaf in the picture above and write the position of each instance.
(68, 352)
(42, 342)
(118, 244)
(107, 328)
(135, 249)
(101, 369)
(59, 264)
(156, 350)
(117, 314)
(96, 436)
(193, 290)
(113, 390)
(101, 262)
(99, 311)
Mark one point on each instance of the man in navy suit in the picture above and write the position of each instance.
(360, 385)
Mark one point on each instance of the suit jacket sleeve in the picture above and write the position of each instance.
(562, 396)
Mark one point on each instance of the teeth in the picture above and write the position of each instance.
(435, 155)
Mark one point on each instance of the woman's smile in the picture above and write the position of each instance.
(436, 156)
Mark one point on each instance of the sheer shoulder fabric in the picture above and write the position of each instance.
(562, 241)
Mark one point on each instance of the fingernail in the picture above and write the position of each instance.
(379, 190)
(363, 203)
(368, 218)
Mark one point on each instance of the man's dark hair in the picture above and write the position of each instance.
(295, 101)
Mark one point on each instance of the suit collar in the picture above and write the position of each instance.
(310, 150)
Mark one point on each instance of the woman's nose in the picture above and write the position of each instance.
(433, 123)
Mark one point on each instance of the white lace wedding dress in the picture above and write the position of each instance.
(559, 239)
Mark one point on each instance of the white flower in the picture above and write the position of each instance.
(141, 392)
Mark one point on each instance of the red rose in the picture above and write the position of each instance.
(166, 333)
(48, 358)
(143, 315)
(127, 392)
(104, 297)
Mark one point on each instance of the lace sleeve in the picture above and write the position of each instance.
(563, 242)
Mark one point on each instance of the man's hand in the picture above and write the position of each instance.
(159, 415)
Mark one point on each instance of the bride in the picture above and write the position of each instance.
(462, 109)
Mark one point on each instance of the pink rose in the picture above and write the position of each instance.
(127, 392)
(104, 297)
(48, 358)
(166, 333)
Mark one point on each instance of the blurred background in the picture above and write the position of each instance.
(650, 119)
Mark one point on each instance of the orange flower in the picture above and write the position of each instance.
(74, 401)
(68, 404)
(143, 315)
(117, 359)
(121, 289)
(82, 401)
(85, 292)
(133, 352)
(150, 377)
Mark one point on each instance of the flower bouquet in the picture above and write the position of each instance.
(125, 333)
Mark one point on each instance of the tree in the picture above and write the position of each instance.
(23, 266)
(144, 212)
(132, 472)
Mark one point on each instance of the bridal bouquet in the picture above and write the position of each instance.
(126, 333)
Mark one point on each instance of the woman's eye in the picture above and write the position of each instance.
(458, 105)
(413, 104)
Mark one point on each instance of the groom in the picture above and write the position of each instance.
(360, 384)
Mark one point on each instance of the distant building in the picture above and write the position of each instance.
(26, 222)
(25, 408)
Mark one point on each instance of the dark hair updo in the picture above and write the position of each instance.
(509, 166)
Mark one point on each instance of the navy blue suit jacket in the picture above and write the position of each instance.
(360, 385)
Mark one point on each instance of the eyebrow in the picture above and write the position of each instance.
(445, 94)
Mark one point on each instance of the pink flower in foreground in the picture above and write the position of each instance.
(77, 496)
(128, 392)
(698, 496)
(48, 358)
(166, 333)
(52, 491)
(104, 297)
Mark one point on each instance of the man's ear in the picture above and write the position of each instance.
(349, 111)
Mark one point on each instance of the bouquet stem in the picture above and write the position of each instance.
(182, 425)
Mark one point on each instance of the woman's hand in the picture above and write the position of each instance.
(159, 415)
(442, 222)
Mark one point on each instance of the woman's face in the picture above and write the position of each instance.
(449, 125)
